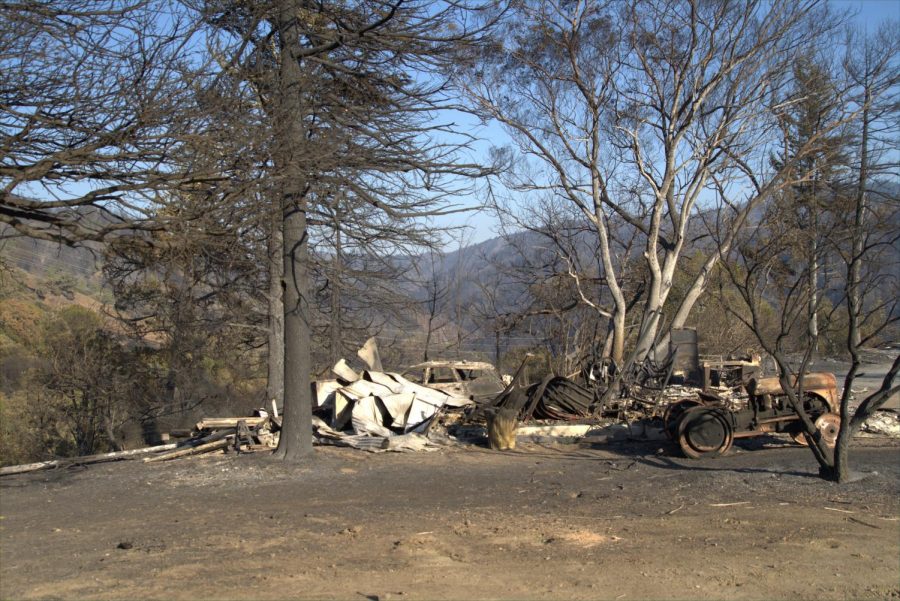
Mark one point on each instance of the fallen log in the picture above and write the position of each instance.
(204, 448)
(87, 459)
(115, 456)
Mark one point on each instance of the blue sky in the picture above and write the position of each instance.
(871, 12)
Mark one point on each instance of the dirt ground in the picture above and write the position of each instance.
(617, 521)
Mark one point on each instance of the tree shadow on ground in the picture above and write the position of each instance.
(657, 454)
(666, 455)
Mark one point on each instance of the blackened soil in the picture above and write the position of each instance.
(623, 521)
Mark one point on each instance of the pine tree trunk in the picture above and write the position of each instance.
(813, 283)
(296, 433)
(275, 379)
(813, 324)
(336, 331)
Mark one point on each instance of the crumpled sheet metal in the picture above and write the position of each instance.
(324, 392)
(412, 442)
(344, 371)
(558, 398)
(369, 355)
(376, 404)
(554, 398)
(381, 401)
(368, 415)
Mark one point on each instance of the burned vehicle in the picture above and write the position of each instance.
(707, 427)
(474, 380)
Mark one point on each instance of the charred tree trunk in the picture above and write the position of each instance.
(854, 300)
(275, 254)
(296, 433)
(336, 331)
(813, 300)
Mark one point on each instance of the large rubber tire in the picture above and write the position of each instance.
(705, 432)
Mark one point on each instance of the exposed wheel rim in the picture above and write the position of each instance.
(673, 414)
(704, 431)
(829, 424)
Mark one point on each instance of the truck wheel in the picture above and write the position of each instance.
(705, 432)
(829, 424)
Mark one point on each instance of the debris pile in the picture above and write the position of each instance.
(378, 405)
(558, 398)
(885, 422)
(553, 398)
(211, 434)
(375, 410)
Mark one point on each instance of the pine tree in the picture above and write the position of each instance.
(814, 153)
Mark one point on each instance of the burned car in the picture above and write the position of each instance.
(473, 380)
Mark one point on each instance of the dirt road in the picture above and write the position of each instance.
(876, 363)
(545, 522)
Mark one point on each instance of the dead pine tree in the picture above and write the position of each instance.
(770, 266)
(96, 111)
(345, 114)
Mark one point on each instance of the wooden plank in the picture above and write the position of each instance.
(212, 423)
(204, 448)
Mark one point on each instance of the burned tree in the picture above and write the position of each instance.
(856, 229)
(338, 94)
(631, 110)
(772, 283)
(103, 133)
(345, 113)
(869, 253)
(817, 151)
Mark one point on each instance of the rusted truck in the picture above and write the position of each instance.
(706, 427)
